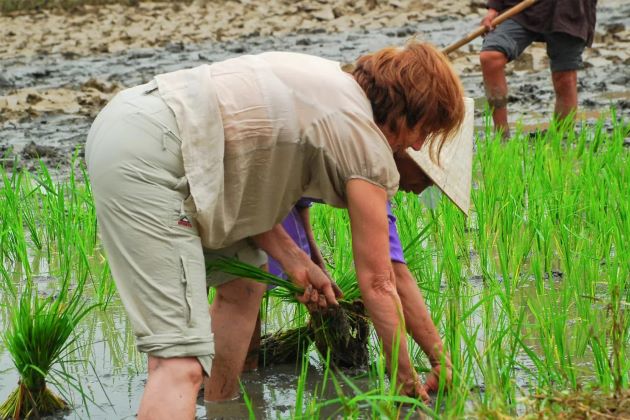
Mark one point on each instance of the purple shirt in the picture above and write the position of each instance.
(294, 226)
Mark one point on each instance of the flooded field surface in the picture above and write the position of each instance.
(49, 96)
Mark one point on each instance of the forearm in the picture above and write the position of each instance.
(318, 290)
(386, 312)
(279, 245)
(417, 318)
(316, 255)
(370, 246)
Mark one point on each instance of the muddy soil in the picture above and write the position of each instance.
(57, 70)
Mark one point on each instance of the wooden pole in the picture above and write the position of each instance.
(482, 29)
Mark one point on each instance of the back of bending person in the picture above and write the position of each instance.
(205, 162)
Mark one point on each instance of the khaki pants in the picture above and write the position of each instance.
(146, 220)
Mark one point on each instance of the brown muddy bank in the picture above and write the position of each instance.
(58, 76)
(113, 28)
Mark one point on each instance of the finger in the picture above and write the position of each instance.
(330, 295)
(302, 299)
(314, 296)
(322, 301)
(306, 296)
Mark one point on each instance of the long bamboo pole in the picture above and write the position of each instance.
(482, 29)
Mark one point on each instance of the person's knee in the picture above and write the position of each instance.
(180, 369)
(492, 60)
(564, 81)
(240, 292)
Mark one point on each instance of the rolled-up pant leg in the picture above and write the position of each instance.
(147, 225)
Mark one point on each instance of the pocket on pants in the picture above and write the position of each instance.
(187, 292)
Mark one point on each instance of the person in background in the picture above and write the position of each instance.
(566, 26)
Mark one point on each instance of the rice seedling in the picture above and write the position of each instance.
(40, 335)
(48, 231)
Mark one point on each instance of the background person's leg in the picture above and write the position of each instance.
(171, 389)
(565, 55)
(565, 86)
(493, 69)
(501, 46)
(234, 312)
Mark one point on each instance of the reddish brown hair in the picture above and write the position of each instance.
(415, 82)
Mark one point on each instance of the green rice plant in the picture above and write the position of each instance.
(380, 400)
(40, 336)
(248, 403)
(331, 228)
(530, 292)
(13, 243)
(47, 225)
(248, 271)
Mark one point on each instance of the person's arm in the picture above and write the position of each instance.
(494, 9)
(420, 325)
(299, 267)
(370, 245)
(316, 255)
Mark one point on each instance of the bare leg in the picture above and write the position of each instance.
(420, 325)
(234, 313)
(493, 69)
(171, 389)
(565, 86)
(251, 361)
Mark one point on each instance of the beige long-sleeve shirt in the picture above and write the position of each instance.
(260, 132)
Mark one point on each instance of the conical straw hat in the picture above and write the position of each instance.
(453, 175)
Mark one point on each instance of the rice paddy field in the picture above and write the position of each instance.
(531, 295)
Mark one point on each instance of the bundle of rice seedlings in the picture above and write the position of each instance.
(38, 336)
(285, 346)
(342, 330)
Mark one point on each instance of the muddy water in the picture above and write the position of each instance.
(52, 99)
(113, 374)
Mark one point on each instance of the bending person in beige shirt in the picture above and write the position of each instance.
(206, 162)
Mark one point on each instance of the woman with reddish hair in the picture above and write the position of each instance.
(206, 162)
(412, 88)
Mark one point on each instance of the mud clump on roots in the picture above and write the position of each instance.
(341, 331)
(284, 346)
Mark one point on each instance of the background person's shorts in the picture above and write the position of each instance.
(144, 210)
(511, 38)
